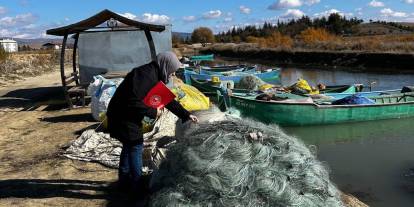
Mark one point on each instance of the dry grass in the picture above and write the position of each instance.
(24, 64)
(275, 40)
(313, 39)
(316, 35)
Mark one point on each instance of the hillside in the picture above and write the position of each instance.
(37, 43)
(381, 29)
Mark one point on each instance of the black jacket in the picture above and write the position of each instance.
(127, 109)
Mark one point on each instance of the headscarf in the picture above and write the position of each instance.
(168, 63)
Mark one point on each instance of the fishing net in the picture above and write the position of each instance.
(99, 147)
(235, 162)
(250, 82)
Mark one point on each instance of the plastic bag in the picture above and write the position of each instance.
(191, 98)
(101, 91)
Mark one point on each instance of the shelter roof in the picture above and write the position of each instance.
(98, 19)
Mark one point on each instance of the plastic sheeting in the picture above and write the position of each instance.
(103, 52)
(357, 99)
(99, 147)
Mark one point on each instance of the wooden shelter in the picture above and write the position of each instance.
(72, 86)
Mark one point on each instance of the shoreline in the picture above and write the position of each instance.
(350, 61)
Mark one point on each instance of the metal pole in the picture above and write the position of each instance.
(151, 45)
(75, 46)
(62, 71)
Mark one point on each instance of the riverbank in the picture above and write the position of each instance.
(361, 61)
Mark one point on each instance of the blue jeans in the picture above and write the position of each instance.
(130, 164)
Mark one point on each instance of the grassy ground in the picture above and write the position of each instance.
(17, 66)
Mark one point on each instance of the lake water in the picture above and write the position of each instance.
(372, 160)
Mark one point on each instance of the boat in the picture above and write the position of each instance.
(211, 88)
(250, 69)
(225, 68)
(202, 57)
(300, 113)
(368, 94)
(269, 75)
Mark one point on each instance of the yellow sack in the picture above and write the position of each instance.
(147, 126)
(265, 87)
(303, 84)
(193, 100)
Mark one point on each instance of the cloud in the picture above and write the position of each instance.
(375, 3)
(282, 4)
(312, 2)
(228, 19)
(213, 14)
(155, 18)
(359, 11)
(18, 20)
(409, 1)
(245, 10)
(3, 10)
(190, 18)
(148, 18)
(293, 14)
(129, 15)
(332, 11)
(387, 12)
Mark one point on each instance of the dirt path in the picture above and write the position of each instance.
(34, 126)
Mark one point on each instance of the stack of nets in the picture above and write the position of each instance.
(235, 162)
(250, 82)
(99, 147)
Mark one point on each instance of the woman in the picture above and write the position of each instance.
(127, 109)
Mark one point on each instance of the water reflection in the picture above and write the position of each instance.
(354, 132)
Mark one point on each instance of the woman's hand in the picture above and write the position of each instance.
(159, 112)
(193, 118)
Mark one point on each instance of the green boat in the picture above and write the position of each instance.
(300, 114)
(210, 88)
(202, 57)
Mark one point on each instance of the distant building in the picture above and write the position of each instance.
(9, 45)
(50, 46)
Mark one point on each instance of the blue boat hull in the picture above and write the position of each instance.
(266, 76)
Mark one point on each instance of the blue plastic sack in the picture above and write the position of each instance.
(356, 99)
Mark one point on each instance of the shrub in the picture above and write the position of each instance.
(3, 54)
(315, 35)
(275, 40)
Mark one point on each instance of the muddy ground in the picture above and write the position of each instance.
(34, 127)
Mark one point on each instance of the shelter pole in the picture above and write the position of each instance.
(62, 71)
(75, 46)
(151, 44)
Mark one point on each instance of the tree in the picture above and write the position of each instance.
(176, 39)
(202, 35)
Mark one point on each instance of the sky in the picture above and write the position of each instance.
(31, 18)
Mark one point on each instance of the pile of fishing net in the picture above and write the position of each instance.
(234, 162)
(249, 82)
(93, 146)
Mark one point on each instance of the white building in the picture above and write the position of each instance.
(9, 45)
